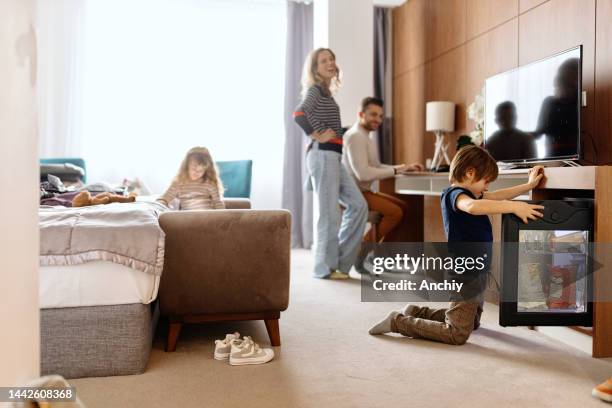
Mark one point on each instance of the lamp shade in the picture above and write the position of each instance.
(440, 116)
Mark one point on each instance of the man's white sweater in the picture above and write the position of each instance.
(360, 157)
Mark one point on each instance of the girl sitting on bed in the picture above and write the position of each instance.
(197, 185)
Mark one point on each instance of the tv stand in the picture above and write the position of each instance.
(547, 163)
(515, 166)
(571, 163)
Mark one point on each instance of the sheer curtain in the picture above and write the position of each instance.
(60, 57)
(162, 76)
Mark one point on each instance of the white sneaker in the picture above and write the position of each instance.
(236, 344)
(223, 348)
(249, 352)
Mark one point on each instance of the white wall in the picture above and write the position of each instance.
(389, 3)
(347, 28)
(19, 315)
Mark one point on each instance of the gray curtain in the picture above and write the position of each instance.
(295, 198)
(383, 79)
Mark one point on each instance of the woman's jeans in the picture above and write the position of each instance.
(338, 233)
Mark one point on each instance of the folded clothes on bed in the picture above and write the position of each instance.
(125, 233)
(64, 199)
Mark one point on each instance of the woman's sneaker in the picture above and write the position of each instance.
(337, 275)
(604, 391)
(223, 347)
(249, 352)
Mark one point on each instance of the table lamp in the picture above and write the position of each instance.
(440, 118)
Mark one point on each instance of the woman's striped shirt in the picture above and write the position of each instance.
(319, 112)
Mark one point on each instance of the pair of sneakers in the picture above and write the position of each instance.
(241, 351)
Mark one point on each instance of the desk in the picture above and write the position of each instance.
(432, 184)
(563, 178)
(560, 182)
(418, 189)
(414, 188)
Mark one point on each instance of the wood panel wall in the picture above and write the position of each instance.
(445, 49)
(603, 80)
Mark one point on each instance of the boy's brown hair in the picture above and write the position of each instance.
(473, 157)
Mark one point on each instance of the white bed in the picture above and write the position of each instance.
(97, 283)
(100, 269)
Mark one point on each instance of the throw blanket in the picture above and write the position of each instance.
(125, 233)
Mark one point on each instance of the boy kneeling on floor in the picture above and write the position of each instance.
(466, 205)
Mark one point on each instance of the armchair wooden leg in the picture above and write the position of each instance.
(273, 331)
(174, 330)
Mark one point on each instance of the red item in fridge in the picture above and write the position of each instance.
(561, 287)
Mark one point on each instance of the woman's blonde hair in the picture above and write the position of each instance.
(311, 77)
(202, 156)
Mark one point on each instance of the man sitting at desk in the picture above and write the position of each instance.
(360, 157)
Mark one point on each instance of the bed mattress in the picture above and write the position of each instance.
(97, 283)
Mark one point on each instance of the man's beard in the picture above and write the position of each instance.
(371, 128)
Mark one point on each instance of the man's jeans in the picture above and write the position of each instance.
(338, 233)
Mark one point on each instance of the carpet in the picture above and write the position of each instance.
(328, 360)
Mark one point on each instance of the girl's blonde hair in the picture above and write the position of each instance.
(311, 77)
(202, 156)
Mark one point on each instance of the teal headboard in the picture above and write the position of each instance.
(236, 177)
(77, 161)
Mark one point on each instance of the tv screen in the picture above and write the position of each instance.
(532, 113)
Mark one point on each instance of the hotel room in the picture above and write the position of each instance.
(306, 203)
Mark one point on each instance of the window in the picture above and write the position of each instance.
(162, 76)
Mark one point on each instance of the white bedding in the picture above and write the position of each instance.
(95, 283)
(125, 233)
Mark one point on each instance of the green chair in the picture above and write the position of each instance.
(236, 177)
(77, 161)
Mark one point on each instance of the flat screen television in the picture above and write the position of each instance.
(532, 113)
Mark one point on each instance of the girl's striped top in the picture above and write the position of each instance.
(193, 195)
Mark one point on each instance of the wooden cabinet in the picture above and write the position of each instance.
(561, 182)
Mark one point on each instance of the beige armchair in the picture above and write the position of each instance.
(223, 265)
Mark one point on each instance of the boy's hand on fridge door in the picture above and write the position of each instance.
(526, 211)
(536, 174)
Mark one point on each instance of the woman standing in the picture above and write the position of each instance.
(338, 234)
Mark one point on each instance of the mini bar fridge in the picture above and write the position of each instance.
(546, 266)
